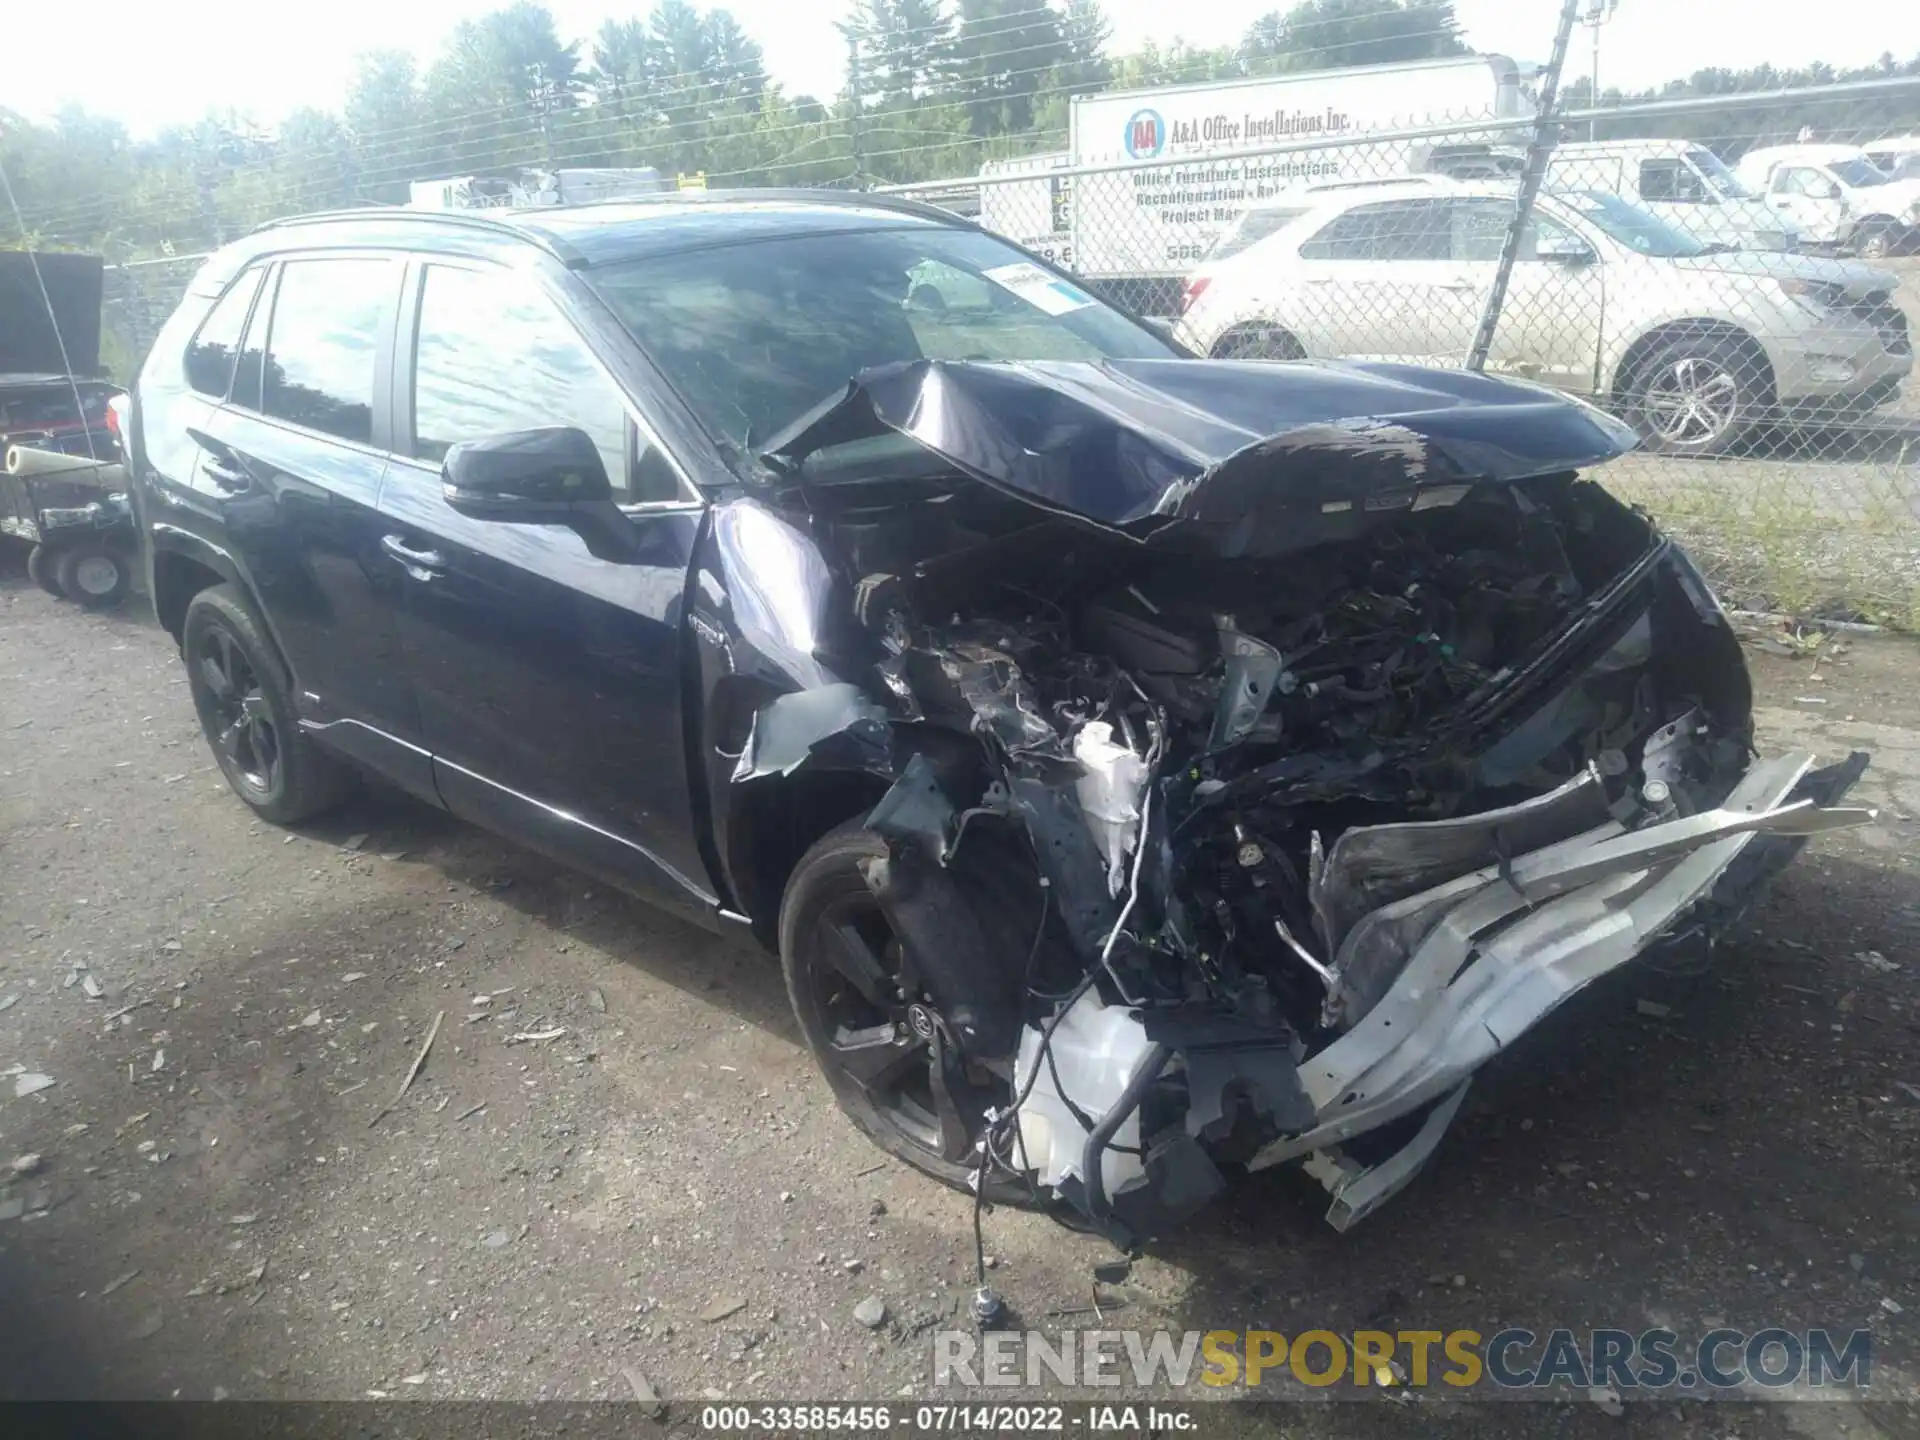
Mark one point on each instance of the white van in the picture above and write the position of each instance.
(1837, 196)
(1683, 183)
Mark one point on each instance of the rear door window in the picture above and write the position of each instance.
(329, 319)
(1252, 228)
(1392, 230)
(211, 353)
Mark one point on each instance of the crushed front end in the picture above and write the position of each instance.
(1338, 765)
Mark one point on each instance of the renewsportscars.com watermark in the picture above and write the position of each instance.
(1508, 1361)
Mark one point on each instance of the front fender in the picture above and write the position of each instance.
(767, 616)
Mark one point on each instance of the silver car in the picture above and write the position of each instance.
(1695, 343)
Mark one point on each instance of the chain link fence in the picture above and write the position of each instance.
(136, 299)
(1743, 294)
(1730, 274)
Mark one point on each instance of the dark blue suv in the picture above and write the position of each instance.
(1143, 766)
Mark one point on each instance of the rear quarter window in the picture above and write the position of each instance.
(208, 363)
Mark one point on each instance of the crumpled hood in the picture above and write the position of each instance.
(1228, 457)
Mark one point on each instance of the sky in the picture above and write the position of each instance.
(152, 65)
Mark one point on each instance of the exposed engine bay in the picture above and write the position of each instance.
(1387, 768)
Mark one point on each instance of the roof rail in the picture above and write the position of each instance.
(463, 219)
(1436, 181)
(790, 195)
(481, 219)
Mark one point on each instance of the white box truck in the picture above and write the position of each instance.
(1025, 201)
(1158, 220)
(522, 189)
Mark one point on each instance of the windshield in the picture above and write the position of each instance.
(1719, 178)
(1857, 173)
(1633, 227)
(755, 334)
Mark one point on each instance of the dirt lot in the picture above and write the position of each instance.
(225, 1008)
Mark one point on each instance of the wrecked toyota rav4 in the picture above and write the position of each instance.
(1147, 768)
(1337, 756)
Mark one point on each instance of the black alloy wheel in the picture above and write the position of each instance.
(238, 722)
(246, 714)
(914, 1031)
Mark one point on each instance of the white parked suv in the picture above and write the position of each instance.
(1694, 343)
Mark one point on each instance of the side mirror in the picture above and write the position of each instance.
(1168, 331)
(1562, 248)
(505, 476)
(551, 476)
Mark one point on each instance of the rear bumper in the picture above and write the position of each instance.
(1501, 948)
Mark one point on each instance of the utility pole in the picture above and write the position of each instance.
(1598, 12)
(546, 117)
(1546, 134)
(856, 98)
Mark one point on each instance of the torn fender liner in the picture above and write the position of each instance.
(917, 809)
(787, 731)
(1492, 953)
(1228, 457)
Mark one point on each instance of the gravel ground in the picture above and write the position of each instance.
(618, 1155)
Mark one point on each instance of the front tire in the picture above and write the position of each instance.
(241, 695)
(884, 998)
(92, 576)
(1697, 395)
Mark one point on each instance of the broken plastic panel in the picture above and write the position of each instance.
(788, 731)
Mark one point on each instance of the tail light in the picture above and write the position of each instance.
(119, 410)
(1192, 291)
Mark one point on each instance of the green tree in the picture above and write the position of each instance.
(1001, 50)
(385, 117)
(495, 89)
(1327, 34)
(904, 47)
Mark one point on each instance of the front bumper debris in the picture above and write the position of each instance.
(1429, 984)
(1503, 946)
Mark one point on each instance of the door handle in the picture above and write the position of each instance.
(421, 564)
(230, 478)
(1458, 285)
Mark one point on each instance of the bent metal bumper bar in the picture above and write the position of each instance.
(1503, 946)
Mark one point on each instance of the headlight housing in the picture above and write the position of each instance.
(1815, 293)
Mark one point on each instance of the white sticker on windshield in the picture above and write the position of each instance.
(1048, 293)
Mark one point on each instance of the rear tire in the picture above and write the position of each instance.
(246, 712)
(1258, 342)
(92, 576)
(913, 984)
(42, 565)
